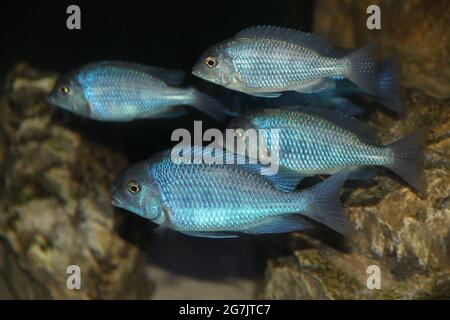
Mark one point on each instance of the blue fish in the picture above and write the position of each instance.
(223, 200)
(312, 140)
(266, 61)
(123, 91)
(336, 96)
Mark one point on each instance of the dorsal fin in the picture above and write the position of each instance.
(364, 131)
(309, 40)
(171, 77)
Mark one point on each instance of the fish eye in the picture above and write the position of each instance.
(64, 89)
(134, 187)
(211, 62)
(239, 133)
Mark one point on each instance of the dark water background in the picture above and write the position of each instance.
(170, 34)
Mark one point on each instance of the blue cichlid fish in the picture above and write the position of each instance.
(266, 60)
(123, 91)
(312, 140)
(223, 200)
(388, 92)
(336, 97)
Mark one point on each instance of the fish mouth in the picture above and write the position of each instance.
(117, 203)
(115, 199)
(196, 72)
(50, 99)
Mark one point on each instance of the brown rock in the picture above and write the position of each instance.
(55, 206)
(416, 31)
(406, 235)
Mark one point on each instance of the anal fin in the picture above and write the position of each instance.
(265, 94)
(206, 234)
(281, 224)
(363, 173)
(172, 112)
(320, 85)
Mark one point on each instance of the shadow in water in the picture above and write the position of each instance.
(204, 258)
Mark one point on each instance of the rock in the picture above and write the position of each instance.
(407, 236)
(55, 206)
(416, 31)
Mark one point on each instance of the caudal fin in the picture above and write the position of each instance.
(389, 93)
(408, 159)
(209, 105)
(325, 206)
(363, 68)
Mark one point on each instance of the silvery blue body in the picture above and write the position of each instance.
(315, 141)
(388, 91)
(214, 200)
(266, 60)
(123, 91)
(335, 96)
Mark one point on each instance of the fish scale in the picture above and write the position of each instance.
(123, 91)
(216, 200)
(266, 61)
(109, 91)
(275, 65)
(312, 145)
(206, 197)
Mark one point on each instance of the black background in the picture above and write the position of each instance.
(169, 33)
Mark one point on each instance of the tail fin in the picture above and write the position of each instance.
(325, 206)
(408, 159)
(389, 93)
(363, 68)
(209, 105)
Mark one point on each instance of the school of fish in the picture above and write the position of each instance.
(295, 90)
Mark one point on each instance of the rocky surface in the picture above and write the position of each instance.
(407, 236)
(416, 31)
(55, 207)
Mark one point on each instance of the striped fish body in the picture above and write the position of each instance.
(204, 197)
(310, 145)
(124, 91)
(221, 200)
(265, 65)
